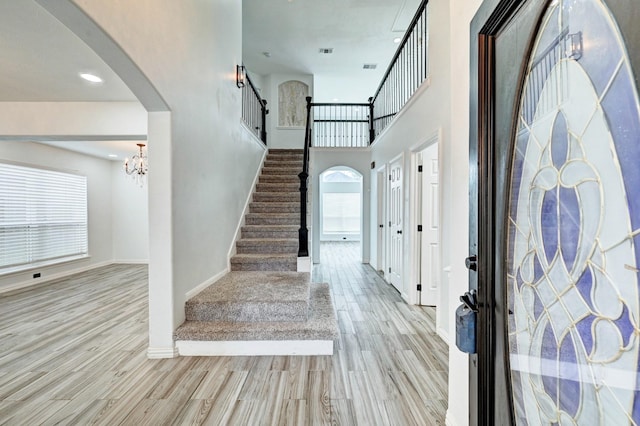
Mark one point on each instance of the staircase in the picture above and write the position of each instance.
(269, 239)
(264, 306)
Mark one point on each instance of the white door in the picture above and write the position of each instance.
(382, 249)
(430, 242)
(395, 225)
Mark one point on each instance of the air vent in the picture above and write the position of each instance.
(326, 50)
(369, 66)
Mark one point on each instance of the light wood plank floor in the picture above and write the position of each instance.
(74, 352)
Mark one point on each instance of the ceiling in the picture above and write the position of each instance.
(41, 59)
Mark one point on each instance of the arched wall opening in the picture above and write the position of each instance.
(340, 204)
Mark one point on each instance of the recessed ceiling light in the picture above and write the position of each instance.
(91, 77)
(267, 54)
(113, 156)
(397, 40)
(335, 99)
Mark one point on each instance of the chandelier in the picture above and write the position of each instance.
(137, 166)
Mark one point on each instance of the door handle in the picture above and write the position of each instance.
(471, 262)
(400, 232)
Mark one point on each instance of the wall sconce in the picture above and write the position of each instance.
(240, 76)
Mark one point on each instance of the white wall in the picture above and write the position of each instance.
(441, 107)
(130, 217)
(189, 51)
(98, 173)
(282, 137)
(87, 120)
(323, 159)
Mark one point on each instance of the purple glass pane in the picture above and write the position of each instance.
(584, 286)
(569, 385)
(550, 224)
(569, 225)
(549, 369)
(584, 329)
(624, 325)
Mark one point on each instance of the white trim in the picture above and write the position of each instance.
(255, 138)
(161, 353)
(197, 289)
(131, 261)
(414, 242)
(254, 348)
(245, 210)
(448, 420)
(44, 279)
(304, 264)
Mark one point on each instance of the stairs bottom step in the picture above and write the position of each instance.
(253, 296)
(321, 325)
(264, 262)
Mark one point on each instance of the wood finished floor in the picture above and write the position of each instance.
(74, 352)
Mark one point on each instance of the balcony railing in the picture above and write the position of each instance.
(340, 125)
(356, 125)
(254, 110)
(407, 71)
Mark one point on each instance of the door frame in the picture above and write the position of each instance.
(381, 205)
(415, 218)
(492, 349)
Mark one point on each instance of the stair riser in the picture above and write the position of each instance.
(247, 311)
(277, 188)
(274, 248)
(265, 233)
(275, 208)
(283, 164)
(279, 179)
(285, 157)
(268, 197)
(281, 171)
(266, 266)
(272, 220)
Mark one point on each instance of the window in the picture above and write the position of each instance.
(43, 217)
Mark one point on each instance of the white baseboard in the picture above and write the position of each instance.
(131, 261)
(245, 210)
(191, 293)
(255, 348)
(304, 264)
(161, 353)
(43, 280)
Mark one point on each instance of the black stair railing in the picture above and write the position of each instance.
(407, 71)
(357, 125)
(303, 231)
(254, 110)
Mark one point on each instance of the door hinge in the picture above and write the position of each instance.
(389, 269)
(389, 177)
(389, 223)
(420, 169)
(419, 228)
(419, 287)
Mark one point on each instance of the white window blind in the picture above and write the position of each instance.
(43, 217)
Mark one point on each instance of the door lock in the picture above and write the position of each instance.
(400, 232)
(471, 262)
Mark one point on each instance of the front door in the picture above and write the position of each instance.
(555, 219)
(395, 224)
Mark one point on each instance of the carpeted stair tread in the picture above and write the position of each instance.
(274, 207)
(267, 245)
(288, 178)
(276, 197)
(277, 187)
(264, 262)
(253, 296)
(269, 231)
(321, 325)
(272, 218)
(286, 171)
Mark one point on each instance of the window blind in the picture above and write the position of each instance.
(43, 216)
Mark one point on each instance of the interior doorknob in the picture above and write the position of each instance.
(400, 232)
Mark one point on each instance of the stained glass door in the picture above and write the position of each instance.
(559, 272)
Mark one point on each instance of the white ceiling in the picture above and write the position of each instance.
(41, 58)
